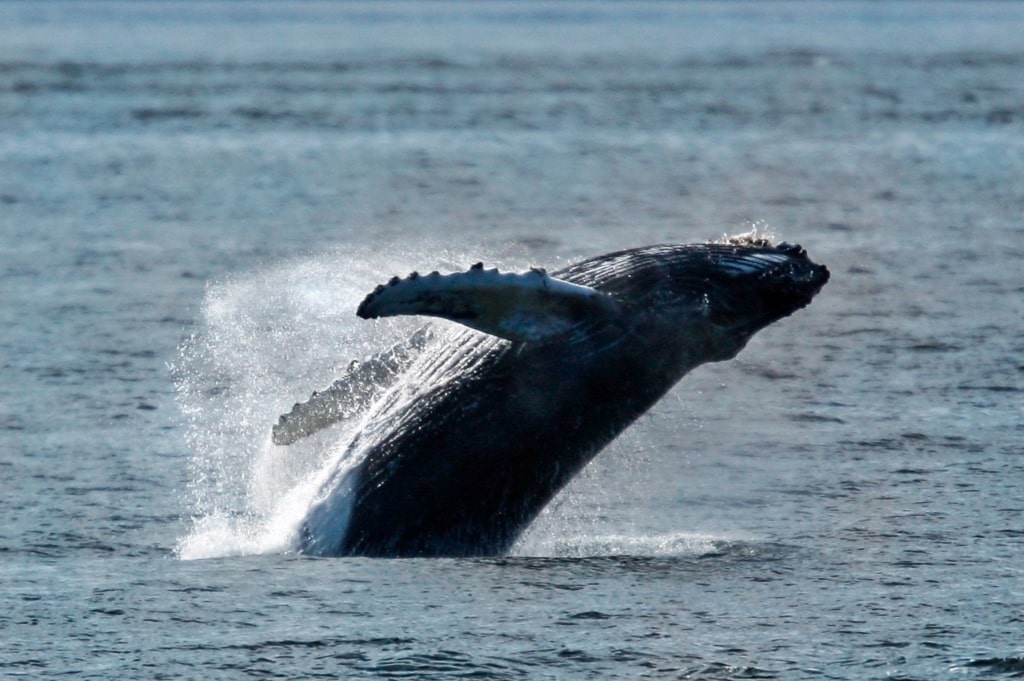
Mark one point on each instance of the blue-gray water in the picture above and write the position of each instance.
(195, 196)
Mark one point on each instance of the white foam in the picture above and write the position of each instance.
(604, 545)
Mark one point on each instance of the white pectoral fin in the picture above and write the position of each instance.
(322, 409)
(351, 394)
(527, 307)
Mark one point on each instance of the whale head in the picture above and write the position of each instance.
(751, 287)
(716, 295)
(742, 286)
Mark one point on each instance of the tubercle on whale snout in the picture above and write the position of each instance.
(803, 270)
(791, 249)
(814, 273)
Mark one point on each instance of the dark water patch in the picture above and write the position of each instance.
(554, 586)
(447, 662)
(839, 227)
(990, 388)
(209, 588)
(149, 114)
(1003, 116)
(790, 200)
(885, 94)
(912, 471)
(290, 593)
(722, 670)
(934, 346)
(30, 663)
(320, 643)
(62, 548)
(589, 615)
(1011, 666)
(989, 285)
(971, 60)
(135, 354)
(864, 331)
(577, 655)
(1011, 532)
(100, 489)
(11, 422)
(810, 417)
(634, 656)
(883, 444)
(110, 612)
(257, 113)
(769, 372)
(315, 643)
(888, 643)
(640, 562)
(932, 645)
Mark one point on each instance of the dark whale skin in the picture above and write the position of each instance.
(466, 466)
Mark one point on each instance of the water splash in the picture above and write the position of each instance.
(265, 340)
(268, 338)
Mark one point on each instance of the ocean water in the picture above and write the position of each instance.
(195, 196)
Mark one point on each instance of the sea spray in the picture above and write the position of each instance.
(266, 339)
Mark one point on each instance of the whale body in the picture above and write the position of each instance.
(459, 459)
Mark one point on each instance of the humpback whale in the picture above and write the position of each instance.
(489, 424)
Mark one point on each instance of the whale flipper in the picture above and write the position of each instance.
(351, 394)
(527, 307)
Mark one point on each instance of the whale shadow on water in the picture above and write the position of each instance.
(498, 419)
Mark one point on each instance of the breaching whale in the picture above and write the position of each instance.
(488, 425)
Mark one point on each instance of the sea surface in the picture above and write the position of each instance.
(194, 196)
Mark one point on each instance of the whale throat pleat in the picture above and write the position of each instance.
(526, 307)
